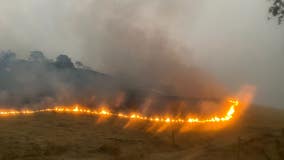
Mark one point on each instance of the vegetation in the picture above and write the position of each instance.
(51, 136)
(39, 81)
(277, 10)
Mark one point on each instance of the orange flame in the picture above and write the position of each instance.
(105, 112)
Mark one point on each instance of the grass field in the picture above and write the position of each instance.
(259, 134)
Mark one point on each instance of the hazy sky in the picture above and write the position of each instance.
(230, 38)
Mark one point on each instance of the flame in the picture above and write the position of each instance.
(133, 116)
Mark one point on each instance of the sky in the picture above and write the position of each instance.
(233, 40)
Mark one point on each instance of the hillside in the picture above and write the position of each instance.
(259, 134)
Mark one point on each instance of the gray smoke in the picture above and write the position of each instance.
(41, 82)
(134, 41)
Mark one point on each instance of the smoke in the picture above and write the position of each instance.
(136, 42)
(40, 82)
(152, 59)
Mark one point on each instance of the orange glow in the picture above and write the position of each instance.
(105, 112)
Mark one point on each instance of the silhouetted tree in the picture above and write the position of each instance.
(63, 61)
(37, 56)
(6, 58)
(277, 10)
(80, 65)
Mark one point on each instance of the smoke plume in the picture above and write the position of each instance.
(134, 42)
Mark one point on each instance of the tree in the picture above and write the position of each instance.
(6, 58)
(80, 65)
(37, 56)
(277, 10)
(63, 61)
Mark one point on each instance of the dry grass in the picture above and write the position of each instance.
(258, 135)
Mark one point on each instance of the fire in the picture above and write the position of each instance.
(134, 116)
(8, 113)
(104, 112)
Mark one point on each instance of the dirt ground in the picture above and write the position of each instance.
(259, 134)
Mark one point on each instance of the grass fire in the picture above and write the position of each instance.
(141, 80)
(105, 112)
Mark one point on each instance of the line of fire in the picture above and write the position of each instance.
(231, 106)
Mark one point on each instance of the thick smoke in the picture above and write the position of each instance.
(135, 42)
(151, 59)
(41, 82)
